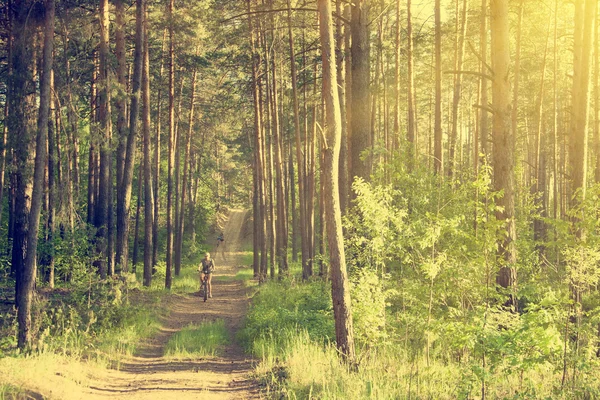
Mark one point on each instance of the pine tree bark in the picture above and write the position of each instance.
(121, 106)
(281, 234)
(341, 32)
(53, 158)
(438, 155)
(25, 294)
(171, 160)
(148, 192)
(92, 157)
(503, 155)
(104, 138)
(120, 101)
(483, 85)
(124, 198)
(299, 155)
(580, 95)
(411, 120)
(186, 162)
(517, 79)
(136, 233)
(596, 83)
(460, 52)
(340, 287)
(397, 68)
(259, 186)
(9, 41)
(157, 153)
(360, 113)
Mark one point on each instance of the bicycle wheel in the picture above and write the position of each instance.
(205, 289)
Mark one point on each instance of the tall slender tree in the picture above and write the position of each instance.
(25, 294)
(171, 159)
(361, 119)
(438, 154)
(503, 155)
(148, 192)
(331, 151)
(124, 197)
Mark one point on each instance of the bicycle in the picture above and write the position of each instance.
(204, 287)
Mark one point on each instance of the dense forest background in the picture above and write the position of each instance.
(436, 163)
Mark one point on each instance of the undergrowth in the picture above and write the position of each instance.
(289, 327)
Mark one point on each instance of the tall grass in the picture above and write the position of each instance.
(299, 359)
(194, 341)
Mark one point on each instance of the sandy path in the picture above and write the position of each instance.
(149, 375)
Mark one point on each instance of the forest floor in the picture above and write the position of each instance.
(149, 375)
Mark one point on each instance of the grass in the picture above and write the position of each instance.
(49, 375)
(289, 327)
(80, 341)
(115, 344)
(195, 341)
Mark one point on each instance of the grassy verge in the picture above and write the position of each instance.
(289, 327)
(194, 341)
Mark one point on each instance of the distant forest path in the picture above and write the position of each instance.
(149, 375)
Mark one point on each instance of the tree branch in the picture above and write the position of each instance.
(479, 57)
(486, 108)
(280, 10)
(456, 72)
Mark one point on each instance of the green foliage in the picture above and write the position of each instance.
(368, 308)
(278, 309)
(102, 320)
(194, 341)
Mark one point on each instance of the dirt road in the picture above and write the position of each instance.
(149, 375)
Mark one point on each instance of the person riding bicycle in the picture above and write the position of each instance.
(220, 239)
(206, 268)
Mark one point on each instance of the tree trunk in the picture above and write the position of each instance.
(104, 121)
(460, 52)
(299, 155)
(148, 193)
(186, 161)
(517, 72)
(411, 119)
(92, 179)
(171, 161)
(438, 154)
(120, 101)
(483, 84)
(260, 221)
(121, 105)
(281, 222)
(124, 200)
(53, 157)
(361, 119)
(136, 234)
(503, 155)
(539, 228)
(341, 32)
(340, 287)
(157, 154)
(580, 96)
(397, 86)
(9, 41)
(25, 294)
(596, 83)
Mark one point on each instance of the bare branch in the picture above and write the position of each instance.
(280, 10)
(455, 72)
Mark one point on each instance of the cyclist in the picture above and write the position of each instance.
(206, 268)
(220, 239)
